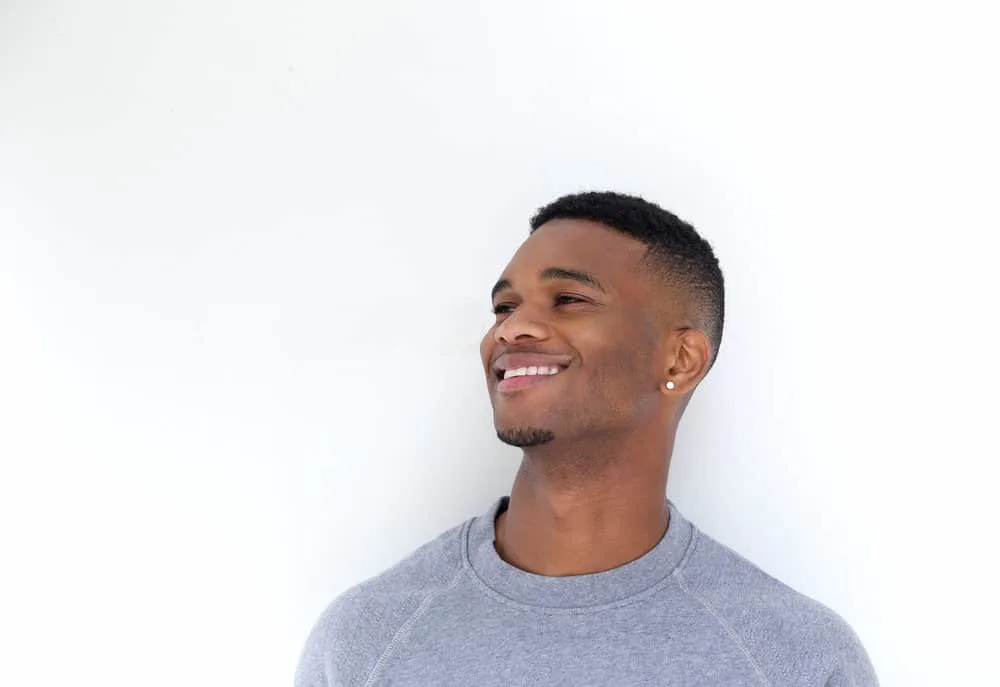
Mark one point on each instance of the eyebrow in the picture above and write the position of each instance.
(552, 273)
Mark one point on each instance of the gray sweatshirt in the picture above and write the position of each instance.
(689, 613)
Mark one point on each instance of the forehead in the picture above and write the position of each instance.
(606, 253)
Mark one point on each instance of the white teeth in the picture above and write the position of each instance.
(530, 371)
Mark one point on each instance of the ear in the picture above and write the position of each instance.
(690, 357)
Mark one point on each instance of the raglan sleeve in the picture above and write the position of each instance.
(327, 659)
(853, 667)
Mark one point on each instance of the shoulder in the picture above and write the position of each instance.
(791, 638)
(356, 627)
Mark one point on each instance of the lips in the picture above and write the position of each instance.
(515, 371)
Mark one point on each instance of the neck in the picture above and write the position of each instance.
(586, 508)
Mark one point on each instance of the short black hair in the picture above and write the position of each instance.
(676, 252)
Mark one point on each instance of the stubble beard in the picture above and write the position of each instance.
(525, 437)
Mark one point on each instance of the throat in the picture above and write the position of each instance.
(582, 546)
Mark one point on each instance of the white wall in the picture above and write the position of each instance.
(245, 254)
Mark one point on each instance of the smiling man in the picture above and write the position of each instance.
(607, 318)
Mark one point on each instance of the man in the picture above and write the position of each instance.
(607, 318)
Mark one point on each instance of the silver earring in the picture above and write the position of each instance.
(669, 385)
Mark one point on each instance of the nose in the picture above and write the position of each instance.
(522, 324)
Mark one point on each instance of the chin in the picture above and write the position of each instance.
(524, 436)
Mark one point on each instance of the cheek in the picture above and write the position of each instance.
(623, 365)
(626, 369)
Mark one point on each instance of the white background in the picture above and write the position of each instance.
(245, 256)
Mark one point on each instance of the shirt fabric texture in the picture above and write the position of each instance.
(688, 613)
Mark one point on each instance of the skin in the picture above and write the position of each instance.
(593, 497)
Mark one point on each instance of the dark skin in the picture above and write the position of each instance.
(593, 497)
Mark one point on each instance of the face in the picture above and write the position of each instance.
(574, 350)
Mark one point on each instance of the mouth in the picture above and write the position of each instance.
(514, 379)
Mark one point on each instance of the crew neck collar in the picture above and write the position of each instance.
(574, 591)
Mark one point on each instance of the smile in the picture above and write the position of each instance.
(514, 370)
(531, 371)
(520, 378)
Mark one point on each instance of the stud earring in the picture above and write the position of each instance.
(669, 385)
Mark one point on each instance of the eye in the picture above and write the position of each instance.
(568, 299)
(503, 309)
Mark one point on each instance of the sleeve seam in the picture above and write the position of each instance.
(682, 583)
(407, 625)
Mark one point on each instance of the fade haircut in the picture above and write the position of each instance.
(676, 253)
